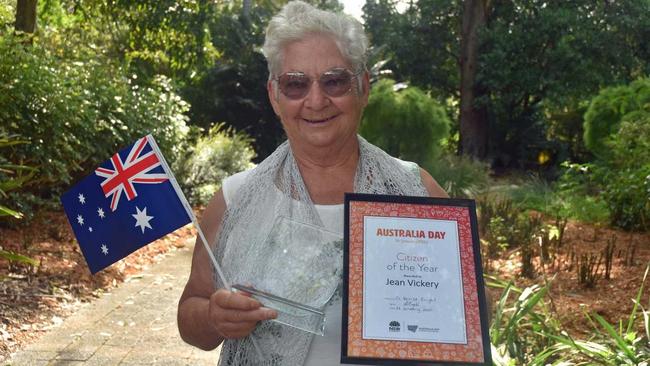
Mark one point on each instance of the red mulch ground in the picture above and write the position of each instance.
(33, 299)
(611, 298)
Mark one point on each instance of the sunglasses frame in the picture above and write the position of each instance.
(351, 74)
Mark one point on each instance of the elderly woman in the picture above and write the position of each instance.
(318, 86)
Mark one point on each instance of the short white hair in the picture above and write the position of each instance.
(297, 20)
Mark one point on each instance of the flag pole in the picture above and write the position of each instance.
(190, 213)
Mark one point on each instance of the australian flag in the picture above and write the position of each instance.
(129, 201)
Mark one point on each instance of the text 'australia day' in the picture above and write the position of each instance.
(408, 233)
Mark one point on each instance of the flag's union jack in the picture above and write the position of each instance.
(134, 170)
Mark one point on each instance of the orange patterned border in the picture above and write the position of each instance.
(408, 350)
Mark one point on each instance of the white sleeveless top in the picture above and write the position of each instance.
(325, 350)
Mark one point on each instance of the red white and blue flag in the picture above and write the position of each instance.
(129, 201)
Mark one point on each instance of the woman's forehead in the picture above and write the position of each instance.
(313, 54)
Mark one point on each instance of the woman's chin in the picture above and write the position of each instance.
(324, 139)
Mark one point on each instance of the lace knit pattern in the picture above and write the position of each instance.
(249, 219)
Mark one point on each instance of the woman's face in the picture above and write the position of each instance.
(318, 120)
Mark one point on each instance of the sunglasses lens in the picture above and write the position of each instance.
(294, 86)
(336, 82)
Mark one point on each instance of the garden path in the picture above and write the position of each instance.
(135, 324)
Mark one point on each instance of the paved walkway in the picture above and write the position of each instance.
(135, 324)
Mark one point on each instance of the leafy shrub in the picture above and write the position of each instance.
(460, 176)
(622, 178)
(574, 195)
(524, 331)
(520, 324)
(628, 197)
(609, 108)
(12, 176)
(219, 154)
(406, 123)
(77, 112)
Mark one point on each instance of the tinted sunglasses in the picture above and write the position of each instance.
(334, 83)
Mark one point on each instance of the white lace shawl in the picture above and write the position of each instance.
(250, 216)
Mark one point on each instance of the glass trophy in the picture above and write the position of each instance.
(299, 270)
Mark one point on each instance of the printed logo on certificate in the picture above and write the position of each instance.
(413, 282)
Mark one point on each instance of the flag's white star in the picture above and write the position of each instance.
(90, 228)
(100, 212)
(104, 249)
(82, 199)
(80, 219)
(141, 218)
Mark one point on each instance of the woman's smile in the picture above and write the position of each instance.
(317, 120)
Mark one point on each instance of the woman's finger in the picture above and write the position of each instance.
(232, 300)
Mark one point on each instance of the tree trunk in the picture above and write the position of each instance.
(246, 9)
(473, 121)
(26, 16)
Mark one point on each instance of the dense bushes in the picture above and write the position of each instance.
(460, 176)
(76, 113)
(610, 107)
(406, 123)
(626, 175)
(617, 130)
(214, 157)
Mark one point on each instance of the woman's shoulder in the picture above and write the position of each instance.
(409, 165)
(232, 183)
(433, 188)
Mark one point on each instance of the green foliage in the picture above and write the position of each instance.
(611, 344)
(77, 112)
(520, 320)
(628, 198)
(534, 58)
(460, 176)
(219, 154)
(626, 176)
(573, 196)
(618, 126)
(496, 218)
(12, 176)
(505, 225)
(233, 89)
(165, 37)
(15, 257)
(524, 331)
(406, 123)
(610, 107)
(421, 42)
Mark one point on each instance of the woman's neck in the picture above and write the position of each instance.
(328, 173)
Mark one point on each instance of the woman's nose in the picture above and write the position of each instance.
(316, 98)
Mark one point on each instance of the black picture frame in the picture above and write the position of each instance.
(482, 302)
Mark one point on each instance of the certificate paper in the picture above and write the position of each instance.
(414, 282)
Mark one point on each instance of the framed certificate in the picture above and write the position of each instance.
(413, 283)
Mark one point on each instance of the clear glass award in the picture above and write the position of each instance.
(299, 270)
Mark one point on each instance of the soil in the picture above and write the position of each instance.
(569, 298)
(33, 299)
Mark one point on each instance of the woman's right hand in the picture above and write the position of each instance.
(235, 314)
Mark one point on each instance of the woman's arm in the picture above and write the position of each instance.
(206, 315)
(431, 185)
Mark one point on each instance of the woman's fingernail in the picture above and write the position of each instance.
(270, 313)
